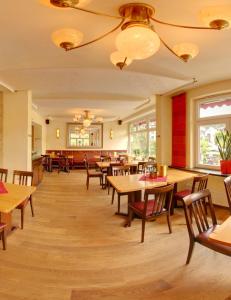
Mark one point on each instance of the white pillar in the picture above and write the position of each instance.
(17, 131)
(164, 129)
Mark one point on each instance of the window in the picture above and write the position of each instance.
(143, 138)
(213, 115)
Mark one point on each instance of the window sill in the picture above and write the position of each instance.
(203, 171)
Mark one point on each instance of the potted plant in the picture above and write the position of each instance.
(223, 141)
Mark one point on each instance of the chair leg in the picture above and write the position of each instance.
(108, 188)
(118, 203)
(143, 230)
(3, 239)
(113, 196)
(87, 182)
(22, 217)
(190, 251)
(31, 206)
(169, 223)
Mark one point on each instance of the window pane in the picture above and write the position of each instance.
(142, 125)
(208, 151)
(215, 108)
(152, 143)
(152, 124)
(139, 144)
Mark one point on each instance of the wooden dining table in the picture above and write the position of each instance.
(222, 233)
(132, 184)
(15, 195)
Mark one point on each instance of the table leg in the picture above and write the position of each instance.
(7, 219)
(173, 200)
(132, 197)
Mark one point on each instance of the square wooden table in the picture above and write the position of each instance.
(9, 201)
(132, 184)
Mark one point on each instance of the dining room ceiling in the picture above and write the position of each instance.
(65, 82)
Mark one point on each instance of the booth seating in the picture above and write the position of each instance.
(78, 157)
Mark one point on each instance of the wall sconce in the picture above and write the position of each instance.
(57, 133)
(111, 134)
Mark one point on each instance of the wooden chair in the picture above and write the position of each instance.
(63, 164)
(152, 159)
(141, 167)
(24, 178)
(194, 205)
(46, 162)
(151, 209)
(92, 173)
(3, 235)
(199, 183)
(109, 173)
(227, 183)
(119, 171)
(3, 175)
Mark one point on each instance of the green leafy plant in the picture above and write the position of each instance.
(223, 141)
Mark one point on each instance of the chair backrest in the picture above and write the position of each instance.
(109, 169)
(23, 177)
(3, 175)
(227, 183)
(141, 165)
(200, 183)
(151, 159)
(194, 207)
(106, 158)
(162, 198)
(123, 157)
(117, 170)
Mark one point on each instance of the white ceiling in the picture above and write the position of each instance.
(63, 83)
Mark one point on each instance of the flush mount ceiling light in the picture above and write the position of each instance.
(87, 118)
(138, 38)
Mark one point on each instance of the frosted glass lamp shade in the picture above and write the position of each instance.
(137, 42)
(64, 3)
(67, 38)
(118, 59)
(217, 16)
(86, 122)
(186, 51)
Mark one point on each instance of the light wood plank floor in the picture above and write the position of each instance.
(76, 248)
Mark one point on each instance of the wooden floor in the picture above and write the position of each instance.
(76, 248)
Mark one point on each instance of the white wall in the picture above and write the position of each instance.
(17, 130)
(118, 142)
(38, 119)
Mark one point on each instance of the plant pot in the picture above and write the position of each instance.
(228, 170)
(225, 166)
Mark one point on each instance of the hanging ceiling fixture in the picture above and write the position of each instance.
(87, 118)
(138, 38)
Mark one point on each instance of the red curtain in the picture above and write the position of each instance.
(179, 131)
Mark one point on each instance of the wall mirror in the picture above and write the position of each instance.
(84, 138)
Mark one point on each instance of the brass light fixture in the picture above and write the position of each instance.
(87, 118)
(138, 38)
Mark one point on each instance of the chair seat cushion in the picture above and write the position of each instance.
(94, 173)
(151, 207)
(182, 194)
(2, 225)
(203, 238)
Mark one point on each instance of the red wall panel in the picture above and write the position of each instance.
(179, 131)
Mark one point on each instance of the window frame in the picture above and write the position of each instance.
(147, 131)
(203, 121)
